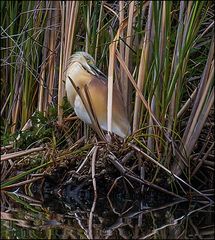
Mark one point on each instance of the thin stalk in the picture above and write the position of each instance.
(142, 70)
(127, 86)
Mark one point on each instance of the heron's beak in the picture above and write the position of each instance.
(97, 71)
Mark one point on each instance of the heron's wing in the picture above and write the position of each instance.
(98, 91)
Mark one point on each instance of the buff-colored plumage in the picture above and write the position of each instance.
(82, 70)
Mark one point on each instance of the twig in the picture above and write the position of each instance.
(154, 209)
(3, 148)
(169, 172)
(28, 198)
(202, 160)
(77, 143)
(112, 186)
(70, 118)
(127, 156)
(195, 229)
(112, 207)
(20, 153)
(21, 183)
(173, 223)
(124, 171)
(93, 171)
(86, 158)
(91, 219)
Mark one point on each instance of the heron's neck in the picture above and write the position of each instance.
(79, 76)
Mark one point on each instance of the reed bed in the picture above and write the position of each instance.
(160, 54)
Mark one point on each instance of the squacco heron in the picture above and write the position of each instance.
(82, 70)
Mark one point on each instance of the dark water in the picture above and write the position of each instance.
(119, 217)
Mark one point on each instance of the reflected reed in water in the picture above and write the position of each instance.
(79, 216)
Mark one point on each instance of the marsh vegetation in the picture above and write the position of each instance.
(158, 54)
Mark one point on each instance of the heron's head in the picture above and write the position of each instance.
(86, 61)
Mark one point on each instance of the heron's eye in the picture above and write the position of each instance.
(90, 62)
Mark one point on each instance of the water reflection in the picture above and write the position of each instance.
(54, 217)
